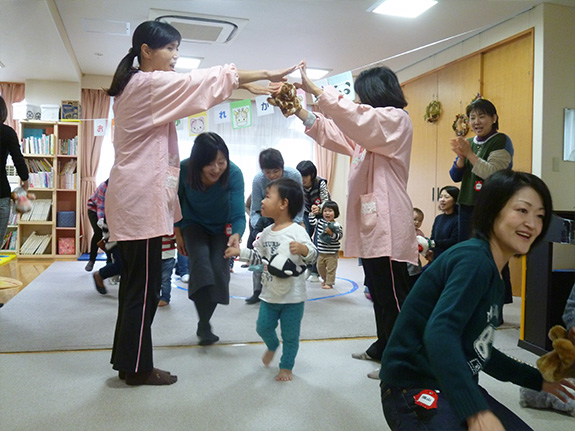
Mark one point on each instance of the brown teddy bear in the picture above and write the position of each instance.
(286, 99)
(559, 363)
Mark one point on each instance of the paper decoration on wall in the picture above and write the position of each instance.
(344, 84)
(263, 107)
(221, 113)
(100, 127)
(241, 113)
(197, 123)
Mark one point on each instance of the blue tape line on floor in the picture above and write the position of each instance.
(354, 287)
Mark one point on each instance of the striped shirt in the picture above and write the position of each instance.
(326, 244)
(169, 246)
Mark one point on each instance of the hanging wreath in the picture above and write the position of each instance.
(461, 125)
(432, 111)
(477, 96)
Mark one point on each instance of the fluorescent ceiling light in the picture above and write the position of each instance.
(311, 73)
(188, 63)
(404, 8)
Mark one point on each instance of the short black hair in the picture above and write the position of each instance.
(496, 192)
(419, 212)
(332, 205)
(483, 106)
(306, 167)
(380, 88)
(270, 158)
(292, 191)
(204, 152)
(451, 191)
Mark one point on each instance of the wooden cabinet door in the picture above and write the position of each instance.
(422, 180)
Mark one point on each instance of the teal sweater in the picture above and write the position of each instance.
(444, 333)
(215, 207)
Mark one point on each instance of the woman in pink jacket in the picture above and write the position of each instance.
(377, 135)
(141, 201)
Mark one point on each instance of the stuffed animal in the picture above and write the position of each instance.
(560, 362)
(283, 267)
(22, 200)
(334, 227)
(424, 244)
(286, 99)
(545, 400)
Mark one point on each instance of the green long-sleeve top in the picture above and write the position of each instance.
(443, 336)
(215, 207)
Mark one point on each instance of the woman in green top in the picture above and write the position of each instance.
(443, 336)
(211, 194)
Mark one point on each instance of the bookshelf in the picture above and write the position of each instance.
(52, 228)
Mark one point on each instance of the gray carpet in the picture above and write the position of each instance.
(61, 310)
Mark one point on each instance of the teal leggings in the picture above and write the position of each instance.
(289, 315)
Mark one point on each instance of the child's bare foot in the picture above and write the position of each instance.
(326, 286)
(284, 375)
(267, 357)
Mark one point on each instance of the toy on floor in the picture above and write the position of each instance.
(22, 200)
(560, 362)
(545, 400)
(286, 99)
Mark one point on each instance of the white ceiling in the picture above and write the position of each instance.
(45, 39)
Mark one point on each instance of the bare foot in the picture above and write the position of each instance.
(326, 286)
(154, 377)
(267, 357)
(284, 375)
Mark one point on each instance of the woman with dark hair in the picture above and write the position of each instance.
(315, 194)
(9, 145)
(377, 134)
(478, 157)
(141, 201)
(211, 194)
(444, 233)
(443, 336)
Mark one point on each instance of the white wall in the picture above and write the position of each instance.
(51, 92)
(553, 87)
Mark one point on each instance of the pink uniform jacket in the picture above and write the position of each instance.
(379, 218)
(142, 201)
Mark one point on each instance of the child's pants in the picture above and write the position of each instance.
(167, 269)
(327, 266)
(289, 316)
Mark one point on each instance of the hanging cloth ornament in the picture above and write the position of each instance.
(461, 125)
(432, 111)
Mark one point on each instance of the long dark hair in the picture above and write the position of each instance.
(496, 192)
(379, 87)
(204, 152)
(155, 34)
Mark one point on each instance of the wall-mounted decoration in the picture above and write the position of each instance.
(461, 125)
(432, 111)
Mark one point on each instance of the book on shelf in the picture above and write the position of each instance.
(41, 173)
(40, 211)
(68, 175)
(69, 147)
(39, 145)
(9, 242)
(36, 244)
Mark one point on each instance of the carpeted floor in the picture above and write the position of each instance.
(61, 310)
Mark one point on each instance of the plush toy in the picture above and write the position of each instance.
(560, 362)
(283, 267)
(545, 400)
(334, 227)
(424, 244)
(286, 99)
(22, 200)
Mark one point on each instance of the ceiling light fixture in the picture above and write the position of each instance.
(403, 8)
(311, 72)
(188, 63)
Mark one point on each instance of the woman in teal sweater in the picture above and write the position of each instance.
(443, 336)
(211, 194)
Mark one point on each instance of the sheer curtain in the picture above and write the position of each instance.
(268, 131)
(95, 104)
(12, 93)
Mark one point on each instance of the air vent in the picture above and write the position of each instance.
(201, 28)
